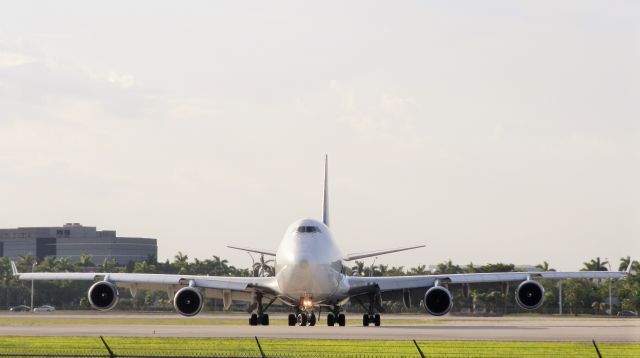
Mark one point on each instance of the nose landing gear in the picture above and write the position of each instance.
(308, 318)
(302, 319)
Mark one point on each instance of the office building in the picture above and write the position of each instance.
(73, 240)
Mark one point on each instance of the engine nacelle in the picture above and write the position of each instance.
(188, 301)
(103, 295)
(438, 301)
(530, 295)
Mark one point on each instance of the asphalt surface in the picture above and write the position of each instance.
(535, 328)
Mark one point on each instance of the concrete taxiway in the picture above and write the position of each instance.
(538, 328)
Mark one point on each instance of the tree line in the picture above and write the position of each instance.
(580, 296)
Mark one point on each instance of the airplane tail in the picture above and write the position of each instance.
(14, 269)
(325, 197)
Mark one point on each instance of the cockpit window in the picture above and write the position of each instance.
(308, 229)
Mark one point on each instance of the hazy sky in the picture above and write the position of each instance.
(487, 130)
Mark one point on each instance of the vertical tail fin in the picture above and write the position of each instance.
(325, 197)
(14, 269)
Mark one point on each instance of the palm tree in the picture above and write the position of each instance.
(624, 263)
(181, 262)
(358, 269)
(109, 265)
(396, 271)
(26, 261)
(85, 261)
(7, 277)
(371, 270)
(449, 267)
(144, 267)
(200, 267)
(595, 265)
(383, 269)
(544, 267)
(221, 267)
(48, 264)
(470, 268)
(497, 267)
(64, 264)
(418, 270)
(263, 268)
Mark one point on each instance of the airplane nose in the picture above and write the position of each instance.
(306, 278)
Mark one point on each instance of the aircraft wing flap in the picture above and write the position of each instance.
(391, 283)
(221, 285)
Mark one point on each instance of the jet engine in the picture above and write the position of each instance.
(188, 301)
(438, 301)
(103, 295)
(530, 295)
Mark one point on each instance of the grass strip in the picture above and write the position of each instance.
(246, 347)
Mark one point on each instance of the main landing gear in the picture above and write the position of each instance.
(371, 317)
(336, 317)
(368, 319)
(260, 317)
(333, 319)
(257, 319)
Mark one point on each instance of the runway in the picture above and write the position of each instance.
(535, 328)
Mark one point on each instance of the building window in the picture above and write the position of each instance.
(1, 249)
(45, 246)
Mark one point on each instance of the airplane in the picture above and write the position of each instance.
(310, 273)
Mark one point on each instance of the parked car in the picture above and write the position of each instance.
(44, 308)
(21, 308)
(627, 314)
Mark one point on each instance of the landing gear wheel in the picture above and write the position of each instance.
(302, 319)
(341, 320)
(292, 320)
(312, 319)
(331, 320)
(265, 319)
(253, 320)
(376, 320)
(365, 320)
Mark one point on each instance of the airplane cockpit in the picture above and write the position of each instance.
(308, 229)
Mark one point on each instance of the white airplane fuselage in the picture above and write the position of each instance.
(309, 264)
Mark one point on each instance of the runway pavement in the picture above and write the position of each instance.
(535, 328)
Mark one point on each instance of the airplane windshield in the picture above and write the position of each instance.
(308, 229)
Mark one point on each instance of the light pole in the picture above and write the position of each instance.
(32, 269)
(610, 308)
(253, 261)
(372, 264)
(560, 297)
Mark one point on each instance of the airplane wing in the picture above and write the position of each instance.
(391, 283)
(215, 286)
(362, 255)
(258, 251)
